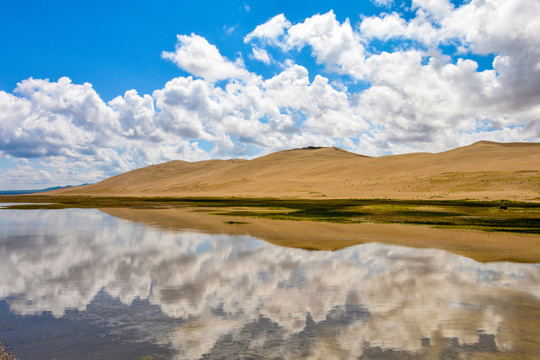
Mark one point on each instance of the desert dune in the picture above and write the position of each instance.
(483, 171)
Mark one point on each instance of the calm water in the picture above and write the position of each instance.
(80, 284)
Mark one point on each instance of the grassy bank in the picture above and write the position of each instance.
(519, 217)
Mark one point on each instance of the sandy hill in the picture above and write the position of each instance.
(484, 170)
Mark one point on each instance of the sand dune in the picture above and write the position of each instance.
(484, 170)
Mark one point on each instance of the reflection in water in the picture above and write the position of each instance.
(221, 296)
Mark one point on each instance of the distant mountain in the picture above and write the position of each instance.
(484, 170)
(23, 192)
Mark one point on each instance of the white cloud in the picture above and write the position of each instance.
(385, 3)
(79, 138)
(436, 8)
(328, 111)
(392, 25)
(384, 28)
(270, 31)
(55, 118)
(509, 30)
(442, 98)
(261, 55)
(412, 96)
(26, 174)
(505, 29)
(197, 56)
(185, 104)
(333, 44)
(83, 139)
(136, 115)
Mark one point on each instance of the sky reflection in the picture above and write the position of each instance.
(236, 295)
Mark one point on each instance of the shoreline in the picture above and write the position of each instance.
(485, 231)
(497, 216)
(5, 355)
(481, 246)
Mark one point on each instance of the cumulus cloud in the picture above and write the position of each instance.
(69, 127)
(79, 138)
(436, 8)
(136, 115)
(54, 118)
(270, 31)
(261, 55)
(383, 27)
(413, 94)
(197, 56)
(485, 28)
(443, 99)
(392, 26)
(333, 44)
(504, 29)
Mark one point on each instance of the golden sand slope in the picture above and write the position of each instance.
(484, 170)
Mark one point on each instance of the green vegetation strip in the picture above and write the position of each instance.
(521, 217)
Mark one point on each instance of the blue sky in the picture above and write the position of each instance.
(116, 45)
(92, 89)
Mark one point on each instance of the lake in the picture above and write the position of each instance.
(82, 284)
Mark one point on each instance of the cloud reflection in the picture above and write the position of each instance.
(368, 296)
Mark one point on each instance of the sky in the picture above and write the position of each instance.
(91, 89)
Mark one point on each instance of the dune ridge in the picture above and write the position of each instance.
(483, 170)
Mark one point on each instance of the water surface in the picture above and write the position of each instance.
(83, 284)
